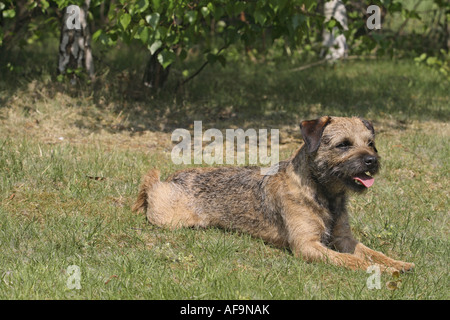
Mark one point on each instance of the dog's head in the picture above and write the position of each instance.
(341, 152)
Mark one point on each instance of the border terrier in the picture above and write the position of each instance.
(302, 206)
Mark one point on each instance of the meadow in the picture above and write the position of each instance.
(71, 160)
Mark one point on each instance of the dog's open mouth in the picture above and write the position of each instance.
(364, 179)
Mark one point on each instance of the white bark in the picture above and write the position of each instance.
(336, 45)
(75, 41)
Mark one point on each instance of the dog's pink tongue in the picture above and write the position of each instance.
(365, 179)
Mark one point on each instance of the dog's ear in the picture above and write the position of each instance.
(368, 125)
(312, 132)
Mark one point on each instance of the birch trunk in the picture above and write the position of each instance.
(336, 46)
(155, 76)
(75, 42)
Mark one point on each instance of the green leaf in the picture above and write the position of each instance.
(204, 11)
(395, 7)
(222, 60)
(218, 12)
(414, 15)
(141, 5)
(9, 13)
(144, 35)
(96, 34)
(182, 55)
(431, 60)
(260, 17)
(331, 24)
(155, 46)
(156, 4)
(166, 58)
(211, 7)
(422, 57)
(295, 21)
(153, 19)
(125, 20)
(212, 58)
(239, 7)
(44, 5)
(378, 37)
(30, 6)
(229, 8)
(191, 16)
(102, 37)
(278, 5)
(160, 32)
(221, 26)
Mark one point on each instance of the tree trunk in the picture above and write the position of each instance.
(75, 42)
(336, 45)
(155, 76)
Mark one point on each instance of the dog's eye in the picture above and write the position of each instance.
(371, 144)
(344, 145)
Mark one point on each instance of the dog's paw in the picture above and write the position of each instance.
(407, 267)
(386, 269)
(403, 266)
(389, 270)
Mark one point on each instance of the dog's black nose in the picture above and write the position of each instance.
(370, 160)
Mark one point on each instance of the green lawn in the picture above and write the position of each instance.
(71, 160)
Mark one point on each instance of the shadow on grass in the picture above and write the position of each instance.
(241, 95)
(369, 89)
(258, 95)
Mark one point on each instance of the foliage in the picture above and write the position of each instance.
(173, 28)
(178, 26)
(412, 28)
(440, 63)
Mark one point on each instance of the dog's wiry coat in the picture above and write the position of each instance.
(302, 206)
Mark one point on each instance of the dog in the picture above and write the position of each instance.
(302, 206)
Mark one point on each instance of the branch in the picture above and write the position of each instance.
(195, 74)
(327, 60)
(198, 71)
(406, 21)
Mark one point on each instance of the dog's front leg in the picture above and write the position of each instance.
(314, 251)
(377, 257)
(341, 235)
(304, 230)
(343, 241)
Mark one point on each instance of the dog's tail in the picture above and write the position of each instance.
(148, 181)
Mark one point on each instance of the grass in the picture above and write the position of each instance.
(71, 159)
